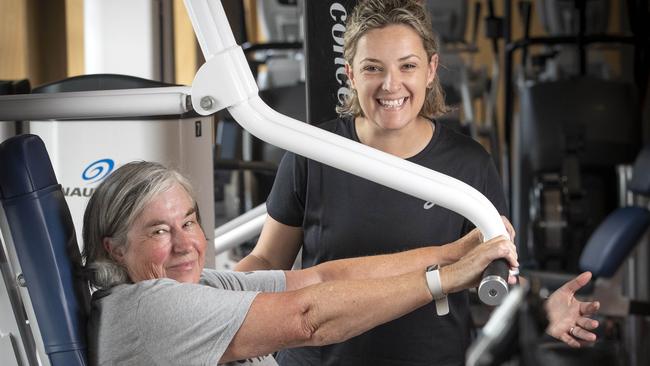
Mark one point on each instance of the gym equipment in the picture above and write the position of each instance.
(40, 261)
(518, 325)
(557, 179)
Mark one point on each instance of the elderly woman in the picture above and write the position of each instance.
(155, 304)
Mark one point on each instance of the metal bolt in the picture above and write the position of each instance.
(21, 280)
(207, 102)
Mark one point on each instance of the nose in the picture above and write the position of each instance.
(182, 242)
(392, 81)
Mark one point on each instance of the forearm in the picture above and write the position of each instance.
(276, 248)
(380, 266)
(340, 310)
(325, 313)
(252, 263)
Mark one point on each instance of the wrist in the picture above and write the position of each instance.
(451, 253)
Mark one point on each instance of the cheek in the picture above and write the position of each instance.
(418, 89)
(154, 255)
(200, 248)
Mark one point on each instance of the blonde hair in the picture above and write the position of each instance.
(375, 14)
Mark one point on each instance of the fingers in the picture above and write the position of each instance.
(505, 249)
(465, 272)
(581, 334)
(587, 323)
(568, 339)
(589, 308)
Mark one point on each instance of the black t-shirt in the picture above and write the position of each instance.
(345, 216)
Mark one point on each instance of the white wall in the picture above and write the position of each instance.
(119, 37)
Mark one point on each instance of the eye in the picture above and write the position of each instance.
(189, 223)
(371, 68)
(409, 66)
(157, 231)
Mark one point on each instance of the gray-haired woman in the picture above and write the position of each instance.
(157, 305)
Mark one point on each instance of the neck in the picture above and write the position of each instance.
(404, 143)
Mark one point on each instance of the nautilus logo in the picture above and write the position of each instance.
(98, 170)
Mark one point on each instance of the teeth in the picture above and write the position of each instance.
(391, 103)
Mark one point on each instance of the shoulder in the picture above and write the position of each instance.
(133, 290)
(267, 281)
(456, 149)
(455, 141)
(340, 126)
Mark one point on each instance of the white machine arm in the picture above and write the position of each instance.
(225, 80)
(240, 229)
(93, 104)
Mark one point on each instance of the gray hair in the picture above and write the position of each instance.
(113, 208)
(376, 14)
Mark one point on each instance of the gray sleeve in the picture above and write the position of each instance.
(263, 281)
(189, 324)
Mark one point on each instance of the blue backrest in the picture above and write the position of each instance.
(619, 233)
(44, 238)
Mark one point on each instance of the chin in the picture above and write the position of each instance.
(394, 125)
(186, 277)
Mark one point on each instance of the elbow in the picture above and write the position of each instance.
(317, 329)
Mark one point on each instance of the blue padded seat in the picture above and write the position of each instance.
(619, 233)
(613, 240)
(44, 237)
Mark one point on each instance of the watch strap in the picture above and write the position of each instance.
(435, 287)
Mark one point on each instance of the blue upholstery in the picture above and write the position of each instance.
(621, 230)
(44, 237)
(613, 240)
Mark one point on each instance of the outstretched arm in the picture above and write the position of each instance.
(381, 266)
(568, 317)
(333, 311)
(279, 243)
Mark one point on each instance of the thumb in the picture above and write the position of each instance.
(577, 283)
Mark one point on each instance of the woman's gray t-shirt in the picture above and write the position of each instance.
(164, 322)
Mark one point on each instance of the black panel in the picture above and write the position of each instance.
(326, 80)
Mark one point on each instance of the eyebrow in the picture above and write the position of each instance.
(155, 222)
(368, 59)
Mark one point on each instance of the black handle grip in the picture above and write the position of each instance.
(494, 282)
(499, 267)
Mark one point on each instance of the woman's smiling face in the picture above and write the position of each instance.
(165, 240)
(390, 73)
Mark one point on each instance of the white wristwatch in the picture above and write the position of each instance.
(435, 286)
